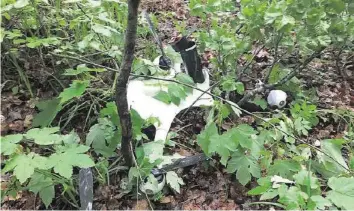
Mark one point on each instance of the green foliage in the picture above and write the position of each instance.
(95, 29)
(44, 171)
(103, 137)
(342, 193)
(174, 180)
(176, 92)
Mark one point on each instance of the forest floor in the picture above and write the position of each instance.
(207, 185)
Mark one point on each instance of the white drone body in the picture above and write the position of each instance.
(141, 98)
(277, 98)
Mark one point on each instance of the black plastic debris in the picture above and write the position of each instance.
(86, 188)
(190, 57)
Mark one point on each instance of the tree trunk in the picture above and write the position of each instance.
(121, 87)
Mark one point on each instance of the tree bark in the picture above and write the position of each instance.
(122, 80)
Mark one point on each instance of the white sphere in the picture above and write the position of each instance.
(277, 98)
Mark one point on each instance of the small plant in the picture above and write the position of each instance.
(40, 173)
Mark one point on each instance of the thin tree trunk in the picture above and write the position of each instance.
(121, 87)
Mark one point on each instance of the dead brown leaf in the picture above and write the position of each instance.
(141, 205)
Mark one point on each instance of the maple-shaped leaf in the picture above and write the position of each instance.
(43, 185)
(284, 168)
(9, 143)
(245, 165)
(223, 144)
(342, 193)
(174, 180)
(23, 165)
(76, 89)
(154, 150)
(44, 136)
(48, 110)
(103, 137)
(204, 137)
(63, 161)
(243, 133)
(111, 112)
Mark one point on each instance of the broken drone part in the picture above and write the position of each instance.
(190, 57)
(278, 180)
(277, 98)
(149, 188)
(163, 63)
(141, 98)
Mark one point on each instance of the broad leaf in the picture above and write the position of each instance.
(9, 143)
(342, 193)
(48, 111)
(163, 96)
(66, 158)
(44, 136)
(205, 137)
(76, 89)
(23, 165)
(174, 180)
(284, 168)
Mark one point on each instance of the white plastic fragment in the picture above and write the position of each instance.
(317, 143)
(141, 98)
(277, 180)
(277, 98)
(150, 188)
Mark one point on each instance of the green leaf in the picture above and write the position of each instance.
(163, 96)
(332, 147)
(102, 136)
(174, 180)
(260, 102)
(221, 145)
(66, 158)
(133, 173)
(204, 138)
(342, 193)
(9, 143)
(270, 194)
(43, 185)
(318, 202)
(240, 88)
(76, 89)
(100, 29)
(241, 162)
(82, 69)
(243, 175)
(293, 198)
(154, 150)
(184, 78)
(23, 165)
(176, 92)
(49, 110)
(47, 194)
(71, 138)
(111, 111)
(258, 190)
(243, 133)
(44, 136)
(137, 124)
(284, 168)
(306, 178)
(21, 3)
